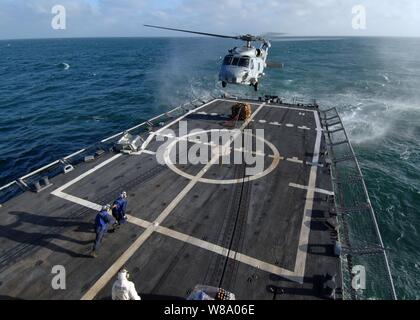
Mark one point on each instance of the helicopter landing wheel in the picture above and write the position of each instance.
(224, 84)
(256, 86)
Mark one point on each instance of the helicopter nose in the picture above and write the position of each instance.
(232, 76)
(227, 76)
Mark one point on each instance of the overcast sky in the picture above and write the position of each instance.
(91, 18)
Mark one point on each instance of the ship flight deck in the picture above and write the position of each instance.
(263, 236)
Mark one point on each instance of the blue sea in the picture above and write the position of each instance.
(58, 96)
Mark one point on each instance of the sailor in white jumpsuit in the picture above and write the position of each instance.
(124, 289)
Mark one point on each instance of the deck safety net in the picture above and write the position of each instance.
(365, 266)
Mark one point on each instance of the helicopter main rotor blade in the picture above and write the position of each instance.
(194, 32)
(273, 35)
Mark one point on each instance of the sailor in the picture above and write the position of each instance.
(103, 218)
(119, 208)
(123, 289)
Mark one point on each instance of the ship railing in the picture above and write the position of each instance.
(92, 152)
(359, 234)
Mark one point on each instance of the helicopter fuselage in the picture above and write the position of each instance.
(244, 65)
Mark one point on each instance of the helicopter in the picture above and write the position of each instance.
(242, 65)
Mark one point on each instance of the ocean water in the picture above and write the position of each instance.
(57, 96)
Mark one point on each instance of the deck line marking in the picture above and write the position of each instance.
(80, 201)
(294, 160)
(138, 222)
(117, 265)
(255, 153)
(258, 264)
(317, 190)
(290, 108)
(288, 125)
(193, 241)
(99, 166)
(253, 262)
(153, 134)
(320, 165)
(300, 264)
(272, 156)
(152, 153)
(139, 153)
(304, 128)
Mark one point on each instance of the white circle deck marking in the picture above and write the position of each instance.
(216, 151)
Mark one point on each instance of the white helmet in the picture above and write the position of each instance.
(106, 207)
(123, 274)
(123, 194)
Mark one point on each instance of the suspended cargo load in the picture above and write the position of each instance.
(241, 111)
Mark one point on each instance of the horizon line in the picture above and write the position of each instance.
(203, 37)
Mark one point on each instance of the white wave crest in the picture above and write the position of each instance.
(371, 118)
(366, 123)
(64, 65)
(386, 77)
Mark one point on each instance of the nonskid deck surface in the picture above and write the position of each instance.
(188, 224)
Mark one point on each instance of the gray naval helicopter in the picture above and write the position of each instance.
(244, 65)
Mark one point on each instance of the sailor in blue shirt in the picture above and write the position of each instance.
(119, 208)
(103, 218)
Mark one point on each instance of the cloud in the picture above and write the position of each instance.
(32, 18)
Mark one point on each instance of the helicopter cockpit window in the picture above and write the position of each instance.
(243, 62)
(235, 61)
(227, 61)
